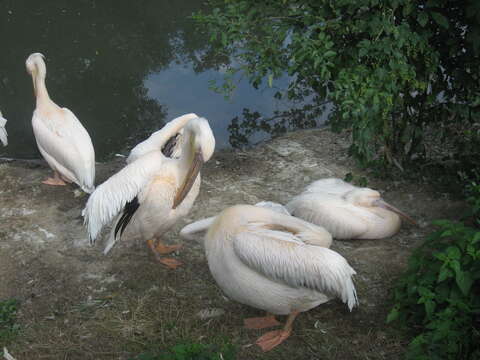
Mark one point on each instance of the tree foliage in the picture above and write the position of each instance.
(391, 68)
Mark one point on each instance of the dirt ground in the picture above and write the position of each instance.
(76, 303)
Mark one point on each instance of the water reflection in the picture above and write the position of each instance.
(253, 126)
(124, 68)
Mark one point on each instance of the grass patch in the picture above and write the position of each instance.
(8, 316)
(192, 351)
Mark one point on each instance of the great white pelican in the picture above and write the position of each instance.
(62, 140)
(274, 262)
(347, 211)
(154, 190)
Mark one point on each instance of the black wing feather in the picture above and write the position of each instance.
(128, 211)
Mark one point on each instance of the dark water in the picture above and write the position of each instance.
(125, 68)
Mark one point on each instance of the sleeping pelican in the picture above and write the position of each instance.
(347, 211)
(277, 263)
(62, 140)
(153, 190)
(3, 131)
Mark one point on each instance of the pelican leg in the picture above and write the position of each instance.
(261, 322)
(168, 262)
(55, 181)
(273, 338)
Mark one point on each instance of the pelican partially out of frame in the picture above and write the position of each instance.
(347, 211)
(3, 131)
(156, 188)
(274, 262)
(61, 138)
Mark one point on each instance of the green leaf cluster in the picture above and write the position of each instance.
(8, 316)
(439, 295)
(391, 68)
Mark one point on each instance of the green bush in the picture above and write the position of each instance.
(439, 295)
(8, 316)
(392, 69)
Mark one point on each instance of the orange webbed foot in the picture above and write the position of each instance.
(166, 249)
(171, 263)
(272, 338)
(54, 181)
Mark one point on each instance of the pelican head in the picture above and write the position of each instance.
(36, 67)
(203, 139)
(369, 198)
(200, 145)
(363, 197)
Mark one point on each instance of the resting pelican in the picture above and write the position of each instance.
(153, 190)
(347, 211)
(277, 263)
(197, 230)
(62, 140)
(3, 131)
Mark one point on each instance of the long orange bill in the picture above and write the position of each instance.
(387, 206)
(190, 178)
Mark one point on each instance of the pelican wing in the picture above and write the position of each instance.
(332, 186)
(343, 220)
(160, 138)
(3, 131)
(283, 256)
(66, 146)
(197, 230)
(273, 206)
(111, 197)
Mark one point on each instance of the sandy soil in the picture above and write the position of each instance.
(78, 304)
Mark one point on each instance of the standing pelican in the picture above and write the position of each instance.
(347, 211)
(3, 131)
(277, 263)
(154, 190)
(62, 140)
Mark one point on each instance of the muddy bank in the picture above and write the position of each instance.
(78, 304)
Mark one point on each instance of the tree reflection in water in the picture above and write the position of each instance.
(244, 130)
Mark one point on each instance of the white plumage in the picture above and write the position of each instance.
(153, 190)
(111, 196)
(61, 138)
(197, 230)
(346, 211)
(159, 138)
(3, 131)
(277, 263)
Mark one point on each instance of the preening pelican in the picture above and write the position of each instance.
(153, 190)
(276, 263)
(62, 140)
(347, 211)
(169, 139)
(3, 131)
